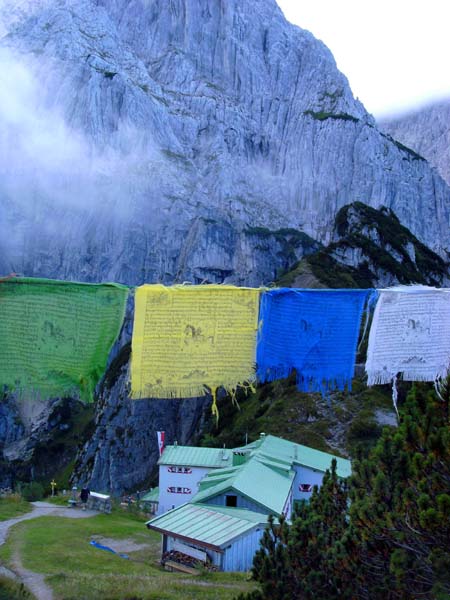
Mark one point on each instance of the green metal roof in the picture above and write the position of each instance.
(152, 496)
(211, 526)
(254, 479)
(266, 475)
(191, 456)
(277, 448)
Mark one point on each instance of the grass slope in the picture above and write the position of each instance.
(13, 506)
(344, 423)
(60, 549)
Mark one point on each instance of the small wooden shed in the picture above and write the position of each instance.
(215, 536)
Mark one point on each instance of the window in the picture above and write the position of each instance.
(231, 501)
(174, 469)
(178, 490)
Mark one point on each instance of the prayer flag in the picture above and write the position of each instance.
(55, 336)
(189, 337)
(161, 441)
(410, 335)
(314, 332)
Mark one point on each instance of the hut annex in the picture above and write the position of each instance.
(213, 503)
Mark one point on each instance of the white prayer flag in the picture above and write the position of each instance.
(410, 335)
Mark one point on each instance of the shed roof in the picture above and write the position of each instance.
(209, 526)
(191, 456)
(151, 496)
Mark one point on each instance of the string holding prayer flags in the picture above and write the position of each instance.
(410, 335)
(56, 335)
(314, 332)
(189, 337)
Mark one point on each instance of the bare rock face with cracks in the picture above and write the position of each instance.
(180, 140)
(427, 131)
(144, 130)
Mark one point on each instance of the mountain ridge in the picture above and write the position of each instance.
(427, 131)
(167, 113)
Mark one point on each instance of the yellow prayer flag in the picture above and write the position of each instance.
(189, 337)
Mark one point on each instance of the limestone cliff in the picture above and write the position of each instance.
(140, 139)
(427, 131)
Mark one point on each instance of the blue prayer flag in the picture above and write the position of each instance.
(314, 332)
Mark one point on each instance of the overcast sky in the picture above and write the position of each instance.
(395, 53)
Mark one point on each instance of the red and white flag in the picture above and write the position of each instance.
(161, 436)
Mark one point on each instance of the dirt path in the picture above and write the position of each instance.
(35, 582)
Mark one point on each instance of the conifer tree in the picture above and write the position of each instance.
(392, 540)
(297, 561)
(400, 505)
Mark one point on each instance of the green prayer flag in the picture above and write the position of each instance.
(55, 336)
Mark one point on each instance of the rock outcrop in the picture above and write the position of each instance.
(427, 131)
(148, 137)
(370, 248)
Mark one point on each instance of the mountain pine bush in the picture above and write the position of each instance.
(384, 534)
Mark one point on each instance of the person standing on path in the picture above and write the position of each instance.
(84, 495)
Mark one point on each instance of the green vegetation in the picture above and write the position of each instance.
(336, 275)
(54, 458)
(116, 366)
(12, 590)
(386, 246)
(386, 535)
(278, 408)
(59, 548)
(298, 271)
(323, 116)
(294, 561)
(31, 491)
(290, 242)
(13, 506)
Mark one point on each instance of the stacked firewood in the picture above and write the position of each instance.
(188, 561)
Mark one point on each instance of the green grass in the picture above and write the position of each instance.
(60, 549)
(59, 499)
(12, 590)
(13, 506)
(324, 115)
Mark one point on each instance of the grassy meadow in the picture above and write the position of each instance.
(60, 549)
(13, 506)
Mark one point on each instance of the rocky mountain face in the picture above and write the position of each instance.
(175, 140)
(141, 139)
(370, 248)
(427, 131)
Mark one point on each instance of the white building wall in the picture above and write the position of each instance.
(182, 482)
(305, 476)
